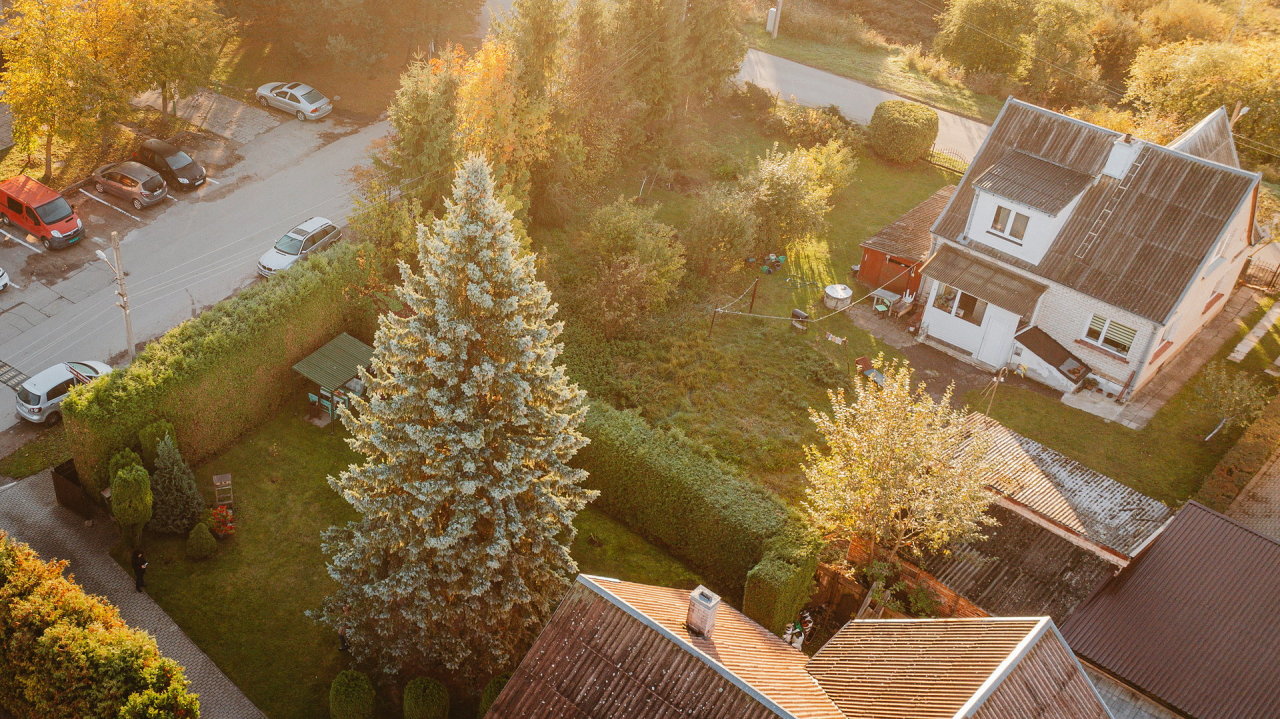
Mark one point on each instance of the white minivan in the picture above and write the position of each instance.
(40, 396)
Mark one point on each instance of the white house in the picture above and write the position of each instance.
(1075, 252)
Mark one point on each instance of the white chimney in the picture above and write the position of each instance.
(1123, 153)
(701, 619)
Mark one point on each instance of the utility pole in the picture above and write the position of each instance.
(121, 291)
(777, 19)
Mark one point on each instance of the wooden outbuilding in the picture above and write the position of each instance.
(892, 258)
(335, 369)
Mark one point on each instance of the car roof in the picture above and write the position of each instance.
(46, 379)
(28, 190)
(301, 88)
(310, 226)
(136, 170)
(160, 146)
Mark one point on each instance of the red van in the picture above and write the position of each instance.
(39, 211)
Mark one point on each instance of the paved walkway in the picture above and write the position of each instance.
(219, 114)
(29, 513)
(1137, 412)
(1258, 506)
(1255, 335)
(811, 86)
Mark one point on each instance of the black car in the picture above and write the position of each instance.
(178, 168)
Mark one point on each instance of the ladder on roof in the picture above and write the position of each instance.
(1109, 209)
(11, 377)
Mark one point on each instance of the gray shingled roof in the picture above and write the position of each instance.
(1149, 247)
(1036, 183)
(984, 280)
(909, 235)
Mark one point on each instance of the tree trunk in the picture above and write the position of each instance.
(164, 98)
(1216, 429)
(48, 154)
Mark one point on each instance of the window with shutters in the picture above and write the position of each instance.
(1110, 334)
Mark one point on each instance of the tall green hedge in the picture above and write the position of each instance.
(221, 373)
(1244, 460)
(727, 528)
(425, 698)
(902, 131)
(67, 655)
(351, 695)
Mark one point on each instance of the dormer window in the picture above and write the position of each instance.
(1009, 225)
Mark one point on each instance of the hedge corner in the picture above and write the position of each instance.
(780, 585)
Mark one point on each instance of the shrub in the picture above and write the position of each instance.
(351, 696)
(790, 192)
(124, 458)
(178, 504)
(227, 370)
(902, 131)
(131, 500)
(426, 699)
(200, 542)
(149, 436)
(67, 655)
(672, 493)
(641, 264)
(721, 231)
(753, 100)
(490, 693)
(818, 21)
(1242, 461)
(808, 126)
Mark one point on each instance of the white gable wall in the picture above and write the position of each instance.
(1042, 228)
(1064, 314)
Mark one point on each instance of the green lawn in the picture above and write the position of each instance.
(1167, 459)
(48, 449)
(880, 67)
(245, 606)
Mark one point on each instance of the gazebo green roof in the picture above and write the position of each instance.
(336, 363)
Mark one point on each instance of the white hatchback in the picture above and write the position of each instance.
(40, 396)
(299, 243)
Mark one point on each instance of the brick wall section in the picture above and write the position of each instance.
(1064, 314)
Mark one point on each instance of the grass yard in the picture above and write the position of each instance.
(885, 68)
(48, 449)
(245, 606)
(1167, 459)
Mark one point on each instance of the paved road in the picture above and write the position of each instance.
(811, 86)
(188, 253)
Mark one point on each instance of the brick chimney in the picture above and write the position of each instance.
(701, 619)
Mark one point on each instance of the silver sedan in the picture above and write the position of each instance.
(303, 101)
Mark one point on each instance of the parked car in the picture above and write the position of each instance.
(40, 212)
(133, 181)
(299, 243)
(304, 101)
(178, 169)
(40, 397)
(4, 280)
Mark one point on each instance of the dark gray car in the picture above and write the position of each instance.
(133, 181)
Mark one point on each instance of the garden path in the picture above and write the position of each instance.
(30, 514)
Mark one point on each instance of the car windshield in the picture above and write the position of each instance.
(290, 244)
(313, 97)
(28, 397)
(153, 184)
(83, 369)
(178, 160)
(56, 211)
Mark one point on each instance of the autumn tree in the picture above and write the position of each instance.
(897, 467)
(1235, 397)
(464, 499)
(1057, 52)
(721, 232)
(181, 41)
(640, 264)
(422, 151)
(790, 192)
(984, 35)
(713, 46)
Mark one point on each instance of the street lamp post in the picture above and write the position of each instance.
(121, 291)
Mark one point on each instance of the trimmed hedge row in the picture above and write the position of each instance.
(221, 373)
(67, 655)
(902, 131)
(351, 696)
(425, 699)
(733, 532)
(1244, 460)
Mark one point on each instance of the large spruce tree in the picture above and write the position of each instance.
(465, 500)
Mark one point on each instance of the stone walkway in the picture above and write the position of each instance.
(29, 513)
(1255, 335)
(219, 114)
(1258, 506)
(1137, 412)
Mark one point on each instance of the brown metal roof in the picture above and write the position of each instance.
(1069, 494)
(1137, 245)
(1033, 182)
(984, 280)
(1210, 139)
(1048, 683)
(1192, 620)
(909, 235)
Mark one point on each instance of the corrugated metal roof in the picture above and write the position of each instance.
(334, 364)
(1210, 139)
(984, 280)
(1020, 569)
(1033, 182)
(1192, 620)
(914, 669)
(1142, 254)
(1068, 493)
(909, 235)
(1048, 683)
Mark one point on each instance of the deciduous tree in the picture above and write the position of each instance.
(181, 41)
(1057, 65)
(640, 264)
(790, 192)
(465, 498)
(897, 467)
(1233, 396)
(984, 35)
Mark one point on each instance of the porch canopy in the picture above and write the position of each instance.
(984, 280)
(336, 363)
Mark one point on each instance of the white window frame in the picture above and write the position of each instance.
(1108, 325)
(954, 309)
(1005, 225)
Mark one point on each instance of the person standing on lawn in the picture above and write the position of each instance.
(139, 569)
